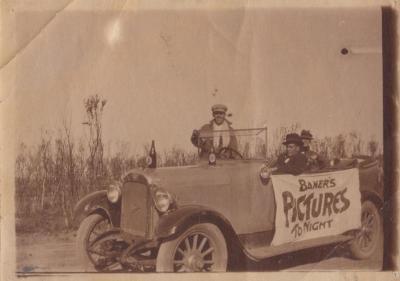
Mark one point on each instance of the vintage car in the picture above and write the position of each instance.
(210, 216)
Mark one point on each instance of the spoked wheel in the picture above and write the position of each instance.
(201, 248)
(369, 237)
(89, 230)
(106, 251)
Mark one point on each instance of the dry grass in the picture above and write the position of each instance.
(52, 176)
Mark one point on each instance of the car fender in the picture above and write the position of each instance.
(96, 202)
(173, 224)
(372, 196)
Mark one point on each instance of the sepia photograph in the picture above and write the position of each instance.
(159, 137)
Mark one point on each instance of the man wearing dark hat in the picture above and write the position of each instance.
(314, 160)
(217, 134)
(293, 161)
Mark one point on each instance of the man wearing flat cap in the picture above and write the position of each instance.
(217, 134)
(314, 160)
(293, 161)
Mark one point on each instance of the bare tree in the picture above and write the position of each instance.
(373, 147)
(94, 106)
(70, 161)
(45, 155)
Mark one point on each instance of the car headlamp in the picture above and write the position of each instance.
(114, 193)
(162, 200)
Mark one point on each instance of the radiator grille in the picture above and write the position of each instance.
(135, 209)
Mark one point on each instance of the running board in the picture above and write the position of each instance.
(271, 251)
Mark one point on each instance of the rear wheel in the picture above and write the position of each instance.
(368, 239)
(201, 248)
(90, 228)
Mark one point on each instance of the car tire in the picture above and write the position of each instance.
(86, 228)
(202, 247)
(369, 238)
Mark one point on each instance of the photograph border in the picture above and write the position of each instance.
(390, 27)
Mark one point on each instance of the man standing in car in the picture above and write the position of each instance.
(293, 161)
(217, 134)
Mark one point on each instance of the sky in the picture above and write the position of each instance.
(162, 70)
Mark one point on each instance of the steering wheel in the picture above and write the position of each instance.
(227, 152)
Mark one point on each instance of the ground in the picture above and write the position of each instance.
(56, 253)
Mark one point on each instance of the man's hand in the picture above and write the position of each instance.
(265, 174)
(195, 137)
(195, 134)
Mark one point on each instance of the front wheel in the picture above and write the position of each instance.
(200, 248)
(368, 239)
(90, 228)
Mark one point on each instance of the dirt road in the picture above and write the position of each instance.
(44, 253)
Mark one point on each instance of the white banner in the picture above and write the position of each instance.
(316, 205)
